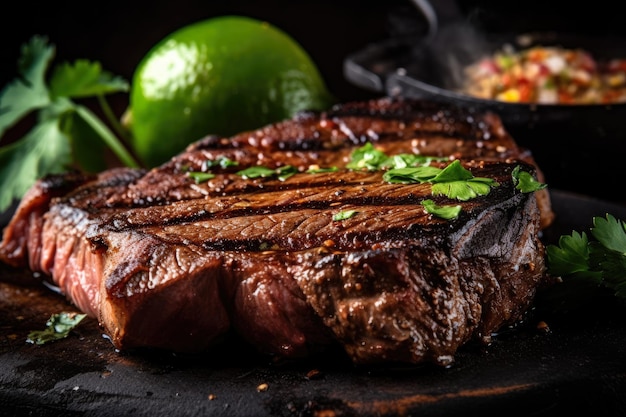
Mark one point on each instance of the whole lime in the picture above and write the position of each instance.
(221, 76)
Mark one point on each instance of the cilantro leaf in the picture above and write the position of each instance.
(453, 181)
(610, 232)
(453, 172)
(45, 149)
(599, 259)
(59, 138)
(84, 79)
(58, 327)
(525, 182)
(367, 157)
(199, 177)
(28, 91)
(462, 190)
(257, 172)
(411, 175)
(447, 212)
(372, 159)
(570, 256)
(282, 173)
(343, 215)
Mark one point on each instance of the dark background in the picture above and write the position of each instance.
(119, 33)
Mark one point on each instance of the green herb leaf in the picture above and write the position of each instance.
(257, 172)
(447, 212)
(406, 160)
(28, 92)
(343, 215)
(366, 157)
(570, 256)
(57, 141)
(84, 79)
(525, 182)
(464, 190)
(285, 172)
(454, 181)
(369, 158)
(599, 259)
(281, 173)
(222, 162)
(44, 150)
(610, 232)
(58, 327)
(199, 177)
(411, 175)
(321, 170)
(453, 172)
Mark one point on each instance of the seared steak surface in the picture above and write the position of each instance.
(165, 261)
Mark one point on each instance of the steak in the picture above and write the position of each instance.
(165, 261)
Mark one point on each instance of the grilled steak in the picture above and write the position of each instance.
(165, 261)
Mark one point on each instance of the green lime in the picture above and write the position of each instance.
(220, 76)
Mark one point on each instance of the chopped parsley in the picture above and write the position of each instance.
(219, 162)
(367, 157)
(282, 173)
(343, 215)
(199, 176)
(208, 165)
(58, 327)
(321, 170)
(525, 182)
(447, 212)
(453, 181)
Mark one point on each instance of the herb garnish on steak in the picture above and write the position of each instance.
(165, 261)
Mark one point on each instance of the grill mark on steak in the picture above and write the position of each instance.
(309, 196)
(166, 263)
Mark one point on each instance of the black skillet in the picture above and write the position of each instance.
(580, 148)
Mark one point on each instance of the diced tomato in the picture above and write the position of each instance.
(548, 75)
(525, 91)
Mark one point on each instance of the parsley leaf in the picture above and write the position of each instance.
(445, 212)
(525, 182)
(411, 175)
(58, 327)
(343, 215)
(199, 176)
(599, 258)
(454, 181)
(83, 79)
(282, 173)
(57, 141)
(464, 190)
(221, 161)
(45, 149)
(372, 159)
(367, 157)
(321, 170)
(28, 92)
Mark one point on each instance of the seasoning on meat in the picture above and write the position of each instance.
(163, 261)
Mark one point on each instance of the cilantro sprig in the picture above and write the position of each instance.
(597, 258)
(66, 134)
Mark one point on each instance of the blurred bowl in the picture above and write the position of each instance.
(579, 147)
